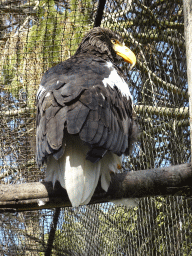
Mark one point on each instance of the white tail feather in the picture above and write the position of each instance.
(74, 182)
(78, 175)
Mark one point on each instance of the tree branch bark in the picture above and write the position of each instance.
(168, 86)
(174, 180)
(182, 112)
(163, 111)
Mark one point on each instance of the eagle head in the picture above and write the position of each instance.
(102, 41)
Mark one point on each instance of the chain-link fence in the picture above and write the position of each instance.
(35, 35)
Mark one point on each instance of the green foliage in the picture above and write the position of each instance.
(81, 16)
(47, 35)
(43, 45)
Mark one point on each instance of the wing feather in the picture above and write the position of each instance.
(81, 103)
(89, 130)
(51, 112)
(55, 129)
(98, 134)
(76, 118)
(104, 137)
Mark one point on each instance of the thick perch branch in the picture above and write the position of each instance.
(161, 181)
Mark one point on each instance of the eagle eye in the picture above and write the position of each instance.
(113, 41)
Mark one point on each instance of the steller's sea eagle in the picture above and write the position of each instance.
(85, 116)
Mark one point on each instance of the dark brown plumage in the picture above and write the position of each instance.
(85, 97)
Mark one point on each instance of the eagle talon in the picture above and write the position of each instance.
(119, 167)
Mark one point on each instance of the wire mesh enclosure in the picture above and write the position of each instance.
(34, 36)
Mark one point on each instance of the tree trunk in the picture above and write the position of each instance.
(187, 8)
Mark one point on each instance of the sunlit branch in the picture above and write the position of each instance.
(163, 111)
(17, 112)
(168, 86)
(138, 184)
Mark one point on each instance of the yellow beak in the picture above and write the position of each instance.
(125, 53)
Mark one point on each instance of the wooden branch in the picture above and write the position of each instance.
(17, 10)
(52, 232)
(159, 22)
(168, 86)
(163, 128)
(182, 112)
(17, 112)
(99, 14)
(150, 36)
(162, 181)
(163, 111)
